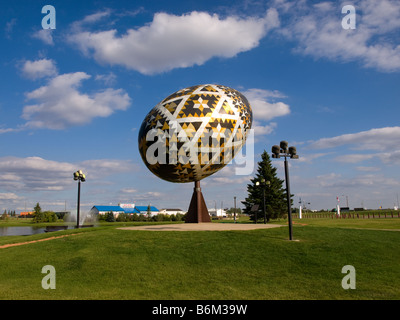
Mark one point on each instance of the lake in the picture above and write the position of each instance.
(29, 230)
(20, 231)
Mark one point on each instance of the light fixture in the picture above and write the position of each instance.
(283, 151)
(80, 176)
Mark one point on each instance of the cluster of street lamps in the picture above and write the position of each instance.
(283, 151)
(80, 176)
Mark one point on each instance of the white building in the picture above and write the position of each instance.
(171, 211)
(125, 208)
(116, 210)
(217, 213)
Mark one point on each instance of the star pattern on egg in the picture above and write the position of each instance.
(194, 132)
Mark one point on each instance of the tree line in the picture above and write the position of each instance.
(125, 217)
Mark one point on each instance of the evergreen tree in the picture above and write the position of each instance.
(38, 215)
(110, 217)
(37, 209)
(275, 193)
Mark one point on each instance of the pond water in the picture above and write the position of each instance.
(27, 231)
(20, 231)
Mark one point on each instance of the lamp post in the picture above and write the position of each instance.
(78, 175)
(283, 151)
(264, 184)
(234, 214)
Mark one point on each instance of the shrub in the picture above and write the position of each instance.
(50, 216)
(178, 217)
(122, 217)
(46, 216)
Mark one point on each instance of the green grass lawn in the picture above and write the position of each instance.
(107, 263)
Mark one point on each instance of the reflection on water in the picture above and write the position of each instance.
(20, 231)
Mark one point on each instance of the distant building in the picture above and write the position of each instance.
(116, 210)
(144, 210)
(124, 208)
(129, 208)
(171, 211)
(26, 214)
(217, 212)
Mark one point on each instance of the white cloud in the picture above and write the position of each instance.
(9, 27)
(107, 79)
(44, 35)
(368, 169)
(354, 158)
(96, 169)
(90, 19)
(392, 157)
(61, 105)
(264, 109)
(34, 173)
(261, 130)
(147, 197)
(369, 181)
(227, 175)
(381, 139)
(129, 190)
(9, 196)
(6, 130)
(39, 68)
(384, 141)
(308, 158)
(38, 174)
(171, 41)
(318, 32)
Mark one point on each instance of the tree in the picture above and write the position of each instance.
(4, 216)
(148, 212)
(49, 216)
(37, 209)
(38, 215)
(122, 217)
(110, 217)
(275, 193)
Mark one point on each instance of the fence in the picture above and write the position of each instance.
(349, 215)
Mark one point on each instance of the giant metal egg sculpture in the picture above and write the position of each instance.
(194, 132)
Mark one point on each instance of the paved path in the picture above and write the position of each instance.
(203, 227)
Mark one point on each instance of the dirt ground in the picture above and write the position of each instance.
(203, 227)
(33, 241)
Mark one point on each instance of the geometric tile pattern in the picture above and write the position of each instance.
(194, 132)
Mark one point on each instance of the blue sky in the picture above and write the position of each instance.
(74, 97)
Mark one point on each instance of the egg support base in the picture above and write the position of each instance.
(198, 211)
